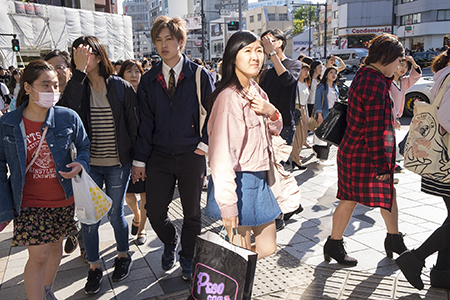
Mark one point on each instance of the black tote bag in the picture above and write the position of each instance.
(221, 270)
(333, 127)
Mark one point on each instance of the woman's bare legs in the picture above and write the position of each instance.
(41, 268)
(131, 200)
(143, 213)
(132, 204)
(341, 218)
(391, 218)
(265, 238)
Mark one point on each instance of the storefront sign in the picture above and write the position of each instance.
(368, 30)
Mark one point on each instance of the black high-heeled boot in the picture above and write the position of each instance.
(394, 243)
(300, 167)
(335, 249)
(411, 267)
(440, 278)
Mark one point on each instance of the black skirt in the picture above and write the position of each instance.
(136, 188)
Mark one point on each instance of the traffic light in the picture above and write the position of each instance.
(15, 45)
(233, 26)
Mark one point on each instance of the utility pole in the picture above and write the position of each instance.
(240, 14)
(393, 17)
(309, 33)
(325, 34)
(203, 30)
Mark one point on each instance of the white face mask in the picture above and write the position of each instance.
(46, 99)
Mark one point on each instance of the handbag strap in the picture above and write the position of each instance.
(438, 99)
(202, 110)
(36, 152)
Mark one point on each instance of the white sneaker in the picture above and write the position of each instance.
(326, 162)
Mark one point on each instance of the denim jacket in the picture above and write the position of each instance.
(318, 104)
(64, 127)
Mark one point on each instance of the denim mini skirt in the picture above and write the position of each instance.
(256, 203)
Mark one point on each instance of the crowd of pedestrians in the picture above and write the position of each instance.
(147, 127)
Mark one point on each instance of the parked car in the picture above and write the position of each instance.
(424, 59)
(351, 56)
(418, 92)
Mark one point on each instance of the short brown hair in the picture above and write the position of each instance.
(177, 28)
(128, 64)
(384, 49)
(440, 61)
(63, 54)
(106, 68)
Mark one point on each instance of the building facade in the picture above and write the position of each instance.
(423, 24)
(260, 19)
(420, 24)
(140, 13)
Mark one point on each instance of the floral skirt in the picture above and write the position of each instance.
(42, 225)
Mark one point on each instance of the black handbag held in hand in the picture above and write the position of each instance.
(333, 127)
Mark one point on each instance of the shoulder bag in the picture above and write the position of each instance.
(426, 149)
(333, 127)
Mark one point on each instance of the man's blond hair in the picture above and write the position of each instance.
(177, 28)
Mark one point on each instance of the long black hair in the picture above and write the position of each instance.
(106, 69)
(236, 42)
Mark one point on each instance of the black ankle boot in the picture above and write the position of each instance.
(394, 243)
(411, 267)
(335, 249)
(440, 279)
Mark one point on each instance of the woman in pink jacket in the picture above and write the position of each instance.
(402, 83)
(239, 129)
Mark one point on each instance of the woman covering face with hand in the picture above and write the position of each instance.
(241, 121)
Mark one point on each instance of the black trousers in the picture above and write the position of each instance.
(163, 171)
(438, 241)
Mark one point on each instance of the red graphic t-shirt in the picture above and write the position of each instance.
(42, 187)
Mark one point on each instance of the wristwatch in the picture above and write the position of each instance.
(272, 53)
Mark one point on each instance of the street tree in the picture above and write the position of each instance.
(305, 15)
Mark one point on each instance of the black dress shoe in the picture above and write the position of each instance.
(288, 215)
(295, 165)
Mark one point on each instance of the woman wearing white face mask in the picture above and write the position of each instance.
(37, 194)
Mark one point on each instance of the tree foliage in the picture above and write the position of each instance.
(298, 26)
(306, 13)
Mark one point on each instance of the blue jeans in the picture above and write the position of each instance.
(115, 179)
(287, 133)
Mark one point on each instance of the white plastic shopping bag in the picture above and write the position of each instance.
(91, 203)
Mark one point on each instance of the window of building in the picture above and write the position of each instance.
(252, 19)
(335, 31)
(443, 15)
(271, 17)
(415, 18)
(259, 17)
(259, 32)
(283, 17)
(336, 14)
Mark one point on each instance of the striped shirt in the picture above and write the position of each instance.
(103, 140)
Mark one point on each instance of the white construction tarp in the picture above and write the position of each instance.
(45, 27)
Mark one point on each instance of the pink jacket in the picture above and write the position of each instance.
(238, 141)
(398, 95)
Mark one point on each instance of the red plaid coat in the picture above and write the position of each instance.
(368, 146)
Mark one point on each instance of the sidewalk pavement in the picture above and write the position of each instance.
(296, 271)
